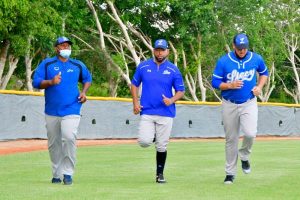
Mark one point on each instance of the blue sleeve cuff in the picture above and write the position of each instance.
(216, 83)
(135, 83)
(37, 83)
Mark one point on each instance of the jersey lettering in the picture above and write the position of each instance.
(243, 76)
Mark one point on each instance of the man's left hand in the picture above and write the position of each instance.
(167, 101)
(256, 91)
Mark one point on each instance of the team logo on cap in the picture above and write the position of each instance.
(242, 41)
(160, 42)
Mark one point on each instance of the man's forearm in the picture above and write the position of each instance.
(262, 81)
(178, 95)
(85, 87)
(46, 83)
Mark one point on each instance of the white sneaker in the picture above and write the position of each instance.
(246, 167)
(229, 179)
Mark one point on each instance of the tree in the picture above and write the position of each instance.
(287, 14)
(11, 12)
(25, 36)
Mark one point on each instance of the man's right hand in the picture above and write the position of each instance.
(236, 84)
(57, 79)
(137, 108)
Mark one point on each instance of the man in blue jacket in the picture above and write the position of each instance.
(235, 75)
(158, 77)
(59, 76)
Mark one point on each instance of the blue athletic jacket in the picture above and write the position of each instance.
(157, 81)
(62, 99)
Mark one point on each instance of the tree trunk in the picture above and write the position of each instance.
(270, 86)
(113, 86)
(189, 79)
(201, 84)
(28, 64)
(28, 74)
(3, 55)
(12, 66)
(125, 32)
(175, 53)
(292, 61)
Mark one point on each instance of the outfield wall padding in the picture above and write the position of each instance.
(22, 116)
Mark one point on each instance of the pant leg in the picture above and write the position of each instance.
(146, 131)
(54, 143)
(69, 129)
(231, 122)
(163, 131)
(249, 117)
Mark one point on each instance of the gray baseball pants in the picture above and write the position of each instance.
(62, 133)
(155, 126)
(238, 117)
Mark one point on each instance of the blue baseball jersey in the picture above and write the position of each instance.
(230, 68)
(62, 99)
(157, 81)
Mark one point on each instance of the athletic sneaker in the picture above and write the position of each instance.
(160, 178)
(68, 179)
(56, 180)
(246, 167)
(229, 179)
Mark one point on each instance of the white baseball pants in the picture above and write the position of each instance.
(62, 133)
(155, 126)
(238, 117)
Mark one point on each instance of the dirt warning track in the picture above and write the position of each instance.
(28, 145)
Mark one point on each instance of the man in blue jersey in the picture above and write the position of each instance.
(157, 104)
(59, 76)
(235, 75)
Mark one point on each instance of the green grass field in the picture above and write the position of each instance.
(195, 170)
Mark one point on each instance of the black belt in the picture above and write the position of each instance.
(238, 101)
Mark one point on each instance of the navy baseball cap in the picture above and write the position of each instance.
(241, 41)
(61, 40)
(161, 44)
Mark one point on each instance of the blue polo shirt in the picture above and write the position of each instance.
(157, 81)
(230, 68)
(62, 99)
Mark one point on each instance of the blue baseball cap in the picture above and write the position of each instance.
(61, 40)
(161, 44)
(241, 41)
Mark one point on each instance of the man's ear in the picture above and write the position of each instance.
(56, 49)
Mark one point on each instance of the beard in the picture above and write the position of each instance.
(237, 55)
(160, 59)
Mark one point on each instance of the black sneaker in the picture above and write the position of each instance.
(56, 180)
(246, 167)
(229, 179)
(160, 178)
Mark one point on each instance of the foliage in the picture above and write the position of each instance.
(215, 22)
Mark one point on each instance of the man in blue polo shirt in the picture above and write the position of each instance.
(59, 76)
(157, 105)
(235, 76)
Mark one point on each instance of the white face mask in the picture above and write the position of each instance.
(65, 53)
